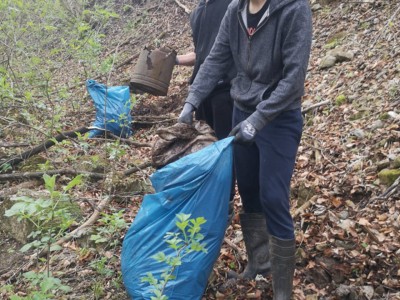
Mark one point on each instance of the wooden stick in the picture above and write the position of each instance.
(236, 248)
(391, 189)
(42, 147)
(187, 10)
(127, 141)
(306, 205)
(306, 109)
(39, 175)
(137, 168)
(92, 175)
(14, 145)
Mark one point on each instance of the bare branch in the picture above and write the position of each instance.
(187, 10)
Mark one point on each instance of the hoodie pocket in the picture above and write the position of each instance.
(240, 86)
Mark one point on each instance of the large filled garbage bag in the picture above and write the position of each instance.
(198, 185)
(113, 109)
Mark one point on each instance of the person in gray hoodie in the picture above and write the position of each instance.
(269, 42)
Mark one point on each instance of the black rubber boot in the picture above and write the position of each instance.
(256, 241)
(282, 267)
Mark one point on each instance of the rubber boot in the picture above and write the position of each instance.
(282, 267)
(256, 241)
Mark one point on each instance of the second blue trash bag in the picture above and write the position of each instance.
(113, 108)
(198, 184)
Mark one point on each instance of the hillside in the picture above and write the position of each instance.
(345, 195)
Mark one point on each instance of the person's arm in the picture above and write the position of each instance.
(214, 67)
(187, 59)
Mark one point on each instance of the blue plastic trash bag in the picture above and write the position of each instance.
(198, 184)
(113, 109)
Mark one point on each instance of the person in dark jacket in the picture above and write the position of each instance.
(217, 107)
(269, 42)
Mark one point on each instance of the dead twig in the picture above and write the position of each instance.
(390, 191)
(91, 175)
(127, 141)
(187, 10)
(84, 228)
(39, 175)
(385, 27)
(126, 42)
(137, 168)
(51, 142)
(371, 234)
(127, 61)
(306, 109)
(139, 122)
(321, 153)
(42, 147)
(241, 252)
(14, 145)
(305, 206)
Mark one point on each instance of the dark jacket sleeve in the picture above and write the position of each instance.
(216, 65)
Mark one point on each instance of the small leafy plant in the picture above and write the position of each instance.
(109, 232)
(43, 286)
(187, 240)
(50, 215)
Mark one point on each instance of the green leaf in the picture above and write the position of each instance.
(150, 279)
(199, 237)
(157, 293)
(26, 247)
(30, 275)
(50, 182)
(200, 221)
(49, 283)
(55, 248)
(16, 209)
(182, 225)
(74, 182)
(160, 257)
(175, 261)
(183, 217)
(65, 288)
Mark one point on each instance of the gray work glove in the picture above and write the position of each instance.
(186, 115)
(244, 133)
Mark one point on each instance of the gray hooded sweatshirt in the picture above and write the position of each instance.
(271, 64)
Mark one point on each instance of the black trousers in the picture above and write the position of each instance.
(264, 170)
(216, 110)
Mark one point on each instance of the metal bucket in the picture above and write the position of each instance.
(153, 70)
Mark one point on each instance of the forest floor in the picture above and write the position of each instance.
(347, 218)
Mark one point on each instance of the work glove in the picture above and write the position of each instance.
(244, 133)
(186, 115)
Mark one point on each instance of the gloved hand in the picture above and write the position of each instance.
(186, 115)
(244, 133)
